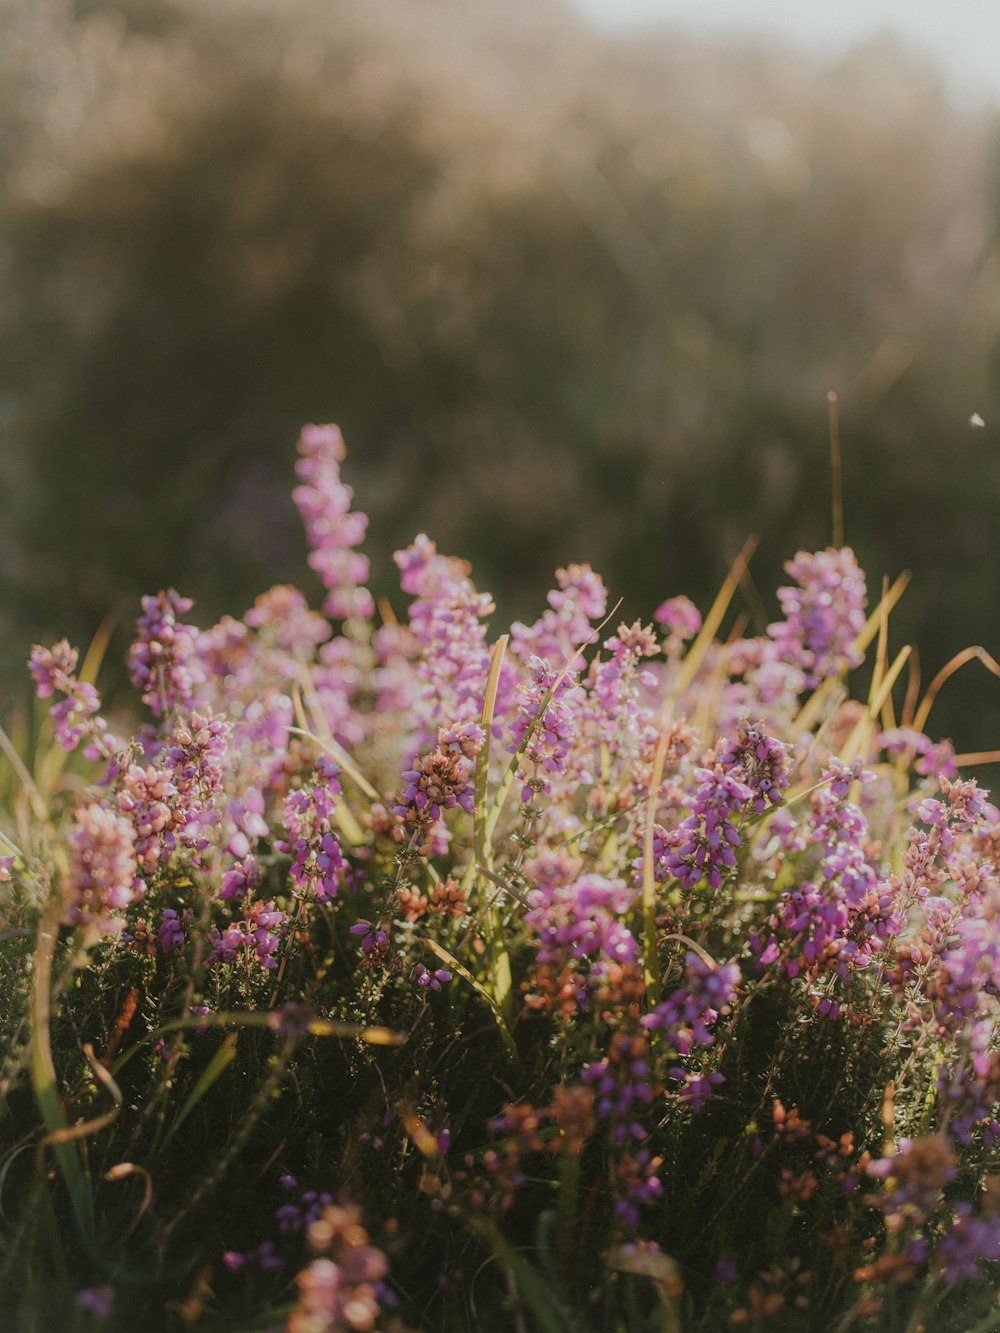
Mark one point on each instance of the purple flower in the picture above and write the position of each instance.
(579, 599)
(75, 716)
(703, 846)
(446, 621)
(680, 617)
(318, 863)
(374, 940)
(824, 614)
(430, 980)
(439, 781)
(99, 1301)
(171, 930)
(685, 1018)
(971, 1241)
(555, 729)
(332, 529)
(240, 879)
(102, 879)
(163, 661)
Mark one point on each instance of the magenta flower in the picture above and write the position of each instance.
(163, 661)
(824, 613)
(333, 530)
(102, 879)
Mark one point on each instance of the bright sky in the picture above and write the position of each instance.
(963, 36)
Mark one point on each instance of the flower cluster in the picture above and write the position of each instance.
(342, 1288)
(332, 528)
(76, 716)
(102, 879)
(163, 661)
(254, 940)
(684, 1019)
(823, 614)
(523, 1046)
(439, 781)
(318, 863)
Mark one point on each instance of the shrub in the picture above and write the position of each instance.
(597, 975)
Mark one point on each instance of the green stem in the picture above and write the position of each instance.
(43, 1073)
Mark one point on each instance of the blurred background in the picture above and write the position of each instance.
(575, 282)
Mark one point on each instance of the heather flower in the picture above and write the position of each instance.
(247, 816)
(703, 846)
(195, 758)
(760, 683)
(446, 621)
(928, 758)
(145, 797)
(565, 625)
(98, 1301)
(680, 617)
(622, 1084)
(318, 862)
(76, 715)
(332, 529)
(970, 1242)
(969, 969)
(915, 1175)
(439, 781)
(762, 761)
(265, 927)
(255, 939)
(341, 1289)
(552, 729)
(163, 661)
(171, 929)
(429, 980)
(684, 1020)
(969, 1085)
(102, 878)
(240, 880)
(337, 679)
(617, 718)
(578, 926)
(374, 940)
(823, 614)
(282, 616)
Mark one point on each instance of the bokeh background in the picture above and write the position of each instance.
(574, 287)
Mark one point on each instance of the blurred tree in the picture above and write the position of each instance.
(570, 297)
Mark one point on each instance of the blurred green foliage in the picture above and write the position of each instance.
(569, 297)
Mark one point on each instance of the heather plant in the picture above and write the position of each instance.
(392, 973)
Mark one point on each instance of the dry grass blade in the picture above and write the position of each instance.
(650, 957)
(276, 1020)
(974, 654)
(122, 1171)
(710, 627)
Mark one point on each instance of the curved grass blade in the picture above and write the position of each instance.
(975, 654)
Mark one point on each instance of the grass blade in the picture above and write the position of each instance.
(452, 962)
(710, 627)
